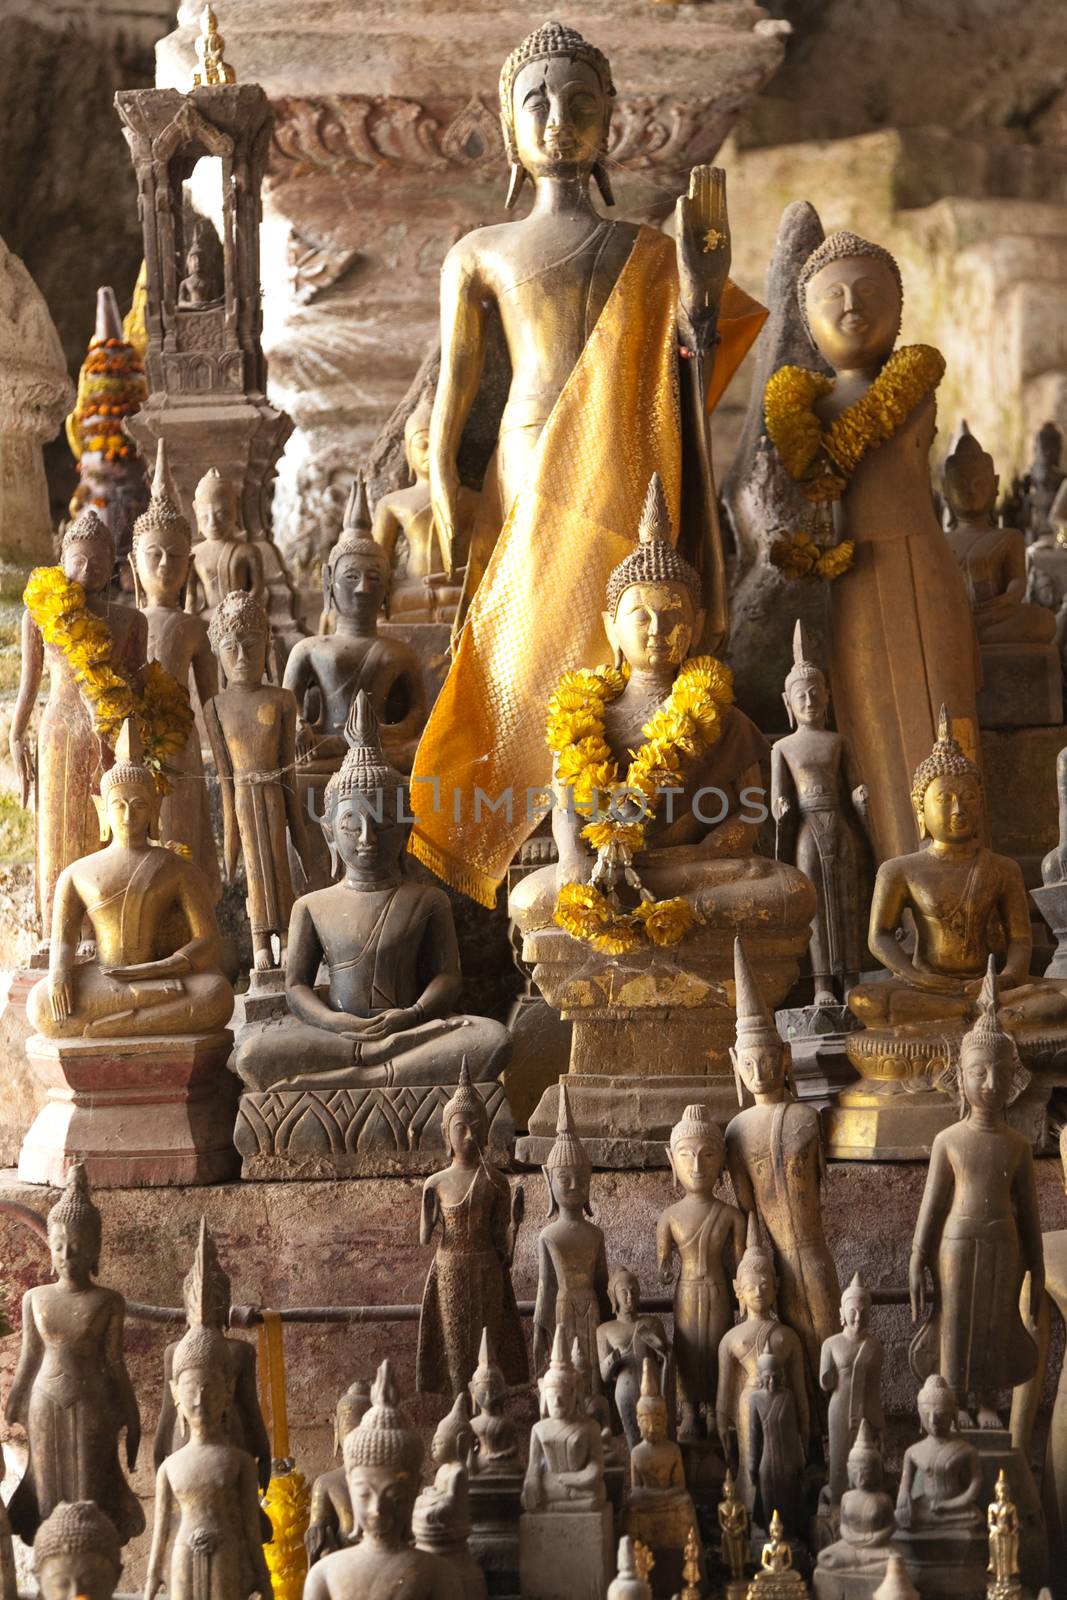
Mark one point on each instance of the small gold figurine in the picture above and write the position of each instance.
(209, 48)
(777, 1578)
(1002, 1520)
(734, 1526)
(691, 1567)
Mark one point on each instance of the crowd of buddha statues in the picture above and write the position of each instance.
(253, 836)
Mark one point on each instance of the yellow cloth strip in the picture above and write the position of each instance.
(536, 612)
(272, 1382)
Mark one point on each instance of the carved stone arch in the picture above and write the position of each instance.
(188, 127)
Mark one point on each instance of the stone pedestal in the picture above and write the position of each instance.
(943, 1565)
(651, 1034)
(430, 641)
(495, 1507)
(1051, 901)
(1022, 686)
(563, 1554)
(540, 1054)
(136, 1112)
(817, 1038)
(308, 1134)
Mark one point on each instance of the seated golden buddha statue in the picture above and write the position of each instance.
(389, 945)
(128, 892)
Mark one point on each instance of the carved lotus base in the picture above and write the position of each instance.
(563, 1554)
(136, 1112)
(310, 1134)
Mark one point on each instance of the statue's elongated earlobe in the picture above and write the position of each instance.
(516, 179)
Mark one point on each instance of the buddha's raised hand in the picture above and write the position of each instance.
(702, 229)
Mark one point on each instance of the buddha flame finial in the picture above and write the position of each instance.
(209, 47)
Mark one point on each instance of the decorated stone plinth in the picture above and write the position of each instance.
(563, 1554)
(355, 1133)
(134, 1112)
(651, 1034)
(494, 1536)
(1022, 686)
(817, 1039)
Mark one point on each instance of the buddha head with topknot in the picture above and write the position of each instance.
(240, 637)
(991, 1073)
(806, 696)
(161, 542)
(215, 504)
(697, 1151)
(365, 803)
(756, 1283)
(355, 574)
(568, 1169)
(75, 1230)
(851, 296)
(382, 1460)
(201, 1382)
(128, 806)
(465, 1121)
(971, 480)
(946, 791)
(653, 606)
(555, 109)
(87, 552)
(76, 1551)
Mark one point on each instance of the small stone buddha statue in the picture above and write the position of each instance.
(76, 1551)
(202, 285)
(867, 1524)
(71, 1391)
(961, 896)
(389, 944)
(850, 1372)
(420, 590)
(330, 1523)
(224, 559)
(775, 1155)
(496, 1436)
(978, 1232)
(441, 1522)
(820, 809)
(739, 1356)
(160, 558)
(206, 1538)
(660, 1511)
(382, 1461)
(776, 1451)
(625, 1343)
(565, 1470)
(1046, 568)
(941, 1479)
(777, 1578)
(206, 1293)
(334, 668)
(468, 1287)
(1034, 492)
(252, 727)
(572, 1267)
(708, 1235)
(127, 891)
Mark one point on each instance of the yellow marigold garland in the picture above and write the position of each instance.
(163, 712)
(685, 725)
(822, 461)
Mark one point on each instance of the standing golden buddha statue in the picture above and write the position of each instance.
(612, 330)
(901, 636)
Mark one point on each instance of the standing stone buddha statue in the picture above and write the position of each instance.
(582, 300)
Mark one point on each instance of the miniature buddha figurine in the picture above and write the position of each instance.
(739, 1356)
(76, 1551)
(652, 618)
(421, 592)
(590, 1400)
(127, 891)
(382, 1461)
(356, 658)
(1034, 493)
(553, 277)
(820, 808)
(223, 559)
(959, 893)
(71, 1391)
(979, 1231)
(468, 1288)
(390, 946)
(660, 1512)
(330, 1524)
(565, 1471)
(1046, 567)
(777, 1578)
(64, 771)
(733, 1521)
(206, 1293)
(901, 639)
(202, 285)
(252, 728)
(776, 1453)
(496, 1436)
(709, 1237)
(441, 1520)
(775, 1155)
(993, 559)
(867, 1519)
(850, 1372)
(1002, 1520)
(160, 560)
(625, 1343)
(941, 1479)
(207, 1498)
(572, 1266)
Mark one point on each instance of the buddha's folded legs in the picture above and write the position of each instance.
(880, 1005)
(198, 1002)
(292, 1055)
